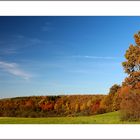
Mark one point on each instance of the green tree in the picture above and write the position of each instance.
(114, 89)
(108, 101)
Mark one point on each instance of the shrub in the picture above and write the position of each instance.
(130, 106)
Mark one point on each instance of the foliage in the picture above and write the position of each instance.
(132, 63)
(111, 102)
(45, 106)
(130, 90)
(130, 106)
(116, 102)
(114, 89)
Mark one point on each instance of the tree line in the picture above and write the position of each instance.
(64, 105)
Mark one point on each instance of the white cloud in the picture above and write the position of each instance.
(95, 57)
(13, 69)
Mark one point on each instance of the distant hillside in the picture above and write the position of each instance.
(48, 106)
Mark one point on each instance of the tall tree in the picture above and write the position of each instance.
(130, 104)
(132, 63)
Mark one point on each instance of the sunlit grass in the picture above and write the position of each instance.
(107, 118)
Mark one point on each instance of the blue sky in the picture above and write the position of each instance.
(63, 55)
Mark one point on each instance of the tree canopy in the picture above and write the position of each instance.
(132, 63)
(130, 104)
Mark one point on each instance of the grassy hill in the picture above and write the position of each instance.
(107, 118)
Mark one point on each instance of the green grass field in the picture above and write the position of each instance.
(107, 118)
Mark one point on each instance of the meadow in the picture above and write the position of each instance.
(106, 118)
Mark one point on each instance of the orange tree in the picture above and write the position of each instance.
(130, 105)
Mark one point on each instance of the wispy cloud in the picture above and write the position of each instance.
(8, 51)
(13, 69)
(46, 27)
(19, 36)
(95, 57)
(18, 43)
